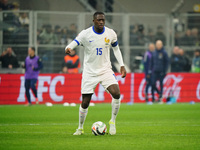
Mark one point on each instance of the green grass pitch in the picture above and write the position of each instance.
(139, 126)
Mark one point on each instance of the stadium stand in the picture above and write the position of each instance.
(49, 31)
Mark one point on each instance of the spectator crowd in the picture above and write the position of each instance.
(138, 36)
(15, 24)
(57, 35)
(179, 61)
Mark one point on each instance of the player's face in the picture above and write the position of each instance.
(9, 50)
(30, 52)
(159, 45)
(99, 22)
(152, 47)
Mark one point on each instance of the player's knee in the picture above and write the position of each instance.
(114, 91)
(85, 105)
(86, 100)
(116, 95)
(33, 87)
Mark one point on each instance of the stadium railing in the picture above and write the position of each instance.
(134, 32)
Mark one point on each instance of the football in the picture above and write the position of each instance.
(99, 128)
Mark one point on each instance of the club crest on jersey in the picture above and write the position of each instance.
(107, 41)
(160, 56)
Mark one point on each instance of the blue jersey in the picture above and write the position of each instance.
(32, 67)
(147, 61)
(160, 61)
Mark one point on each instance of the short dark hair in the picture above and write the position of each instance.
(97, 13)
(33, 48)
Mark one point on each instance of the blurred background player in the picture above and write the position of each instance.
(179, 61)
(32, 66)
(147, 68)
(8, 59)
(97, 41)
(72, 62)
(176, 60)
(159, 65)
(186, 62)
(196, 61)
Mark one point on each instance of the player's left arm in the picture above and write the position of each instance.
(40, 65)
(118, 56)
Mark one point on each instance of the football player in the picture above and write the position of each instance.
(97, 41)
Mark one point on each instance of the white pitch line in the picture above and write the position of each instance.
(158, 124)
(172, 134)
(31, 124)
(121, 123)
(122, 134)
(15, 132)
(153, 123)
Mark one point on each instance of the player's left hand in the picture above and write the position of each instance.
(123, 71)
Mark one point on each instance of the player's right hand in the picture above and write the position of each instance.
(68, 50)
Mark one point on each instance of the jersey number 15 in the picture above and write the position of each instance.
(99, 51)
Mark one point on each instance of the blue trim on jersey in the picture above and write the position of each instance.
(77, 42)
(97, 32)
(114, 44)
(114, 76)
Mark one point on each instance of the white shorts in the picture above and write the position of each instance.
(89, 83)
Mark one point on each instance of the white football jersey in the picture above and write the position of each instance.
(97, 49)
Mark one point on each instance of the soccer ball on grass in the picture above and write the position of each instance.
(99, 128)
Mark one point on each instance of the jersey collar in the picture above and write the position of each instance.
(32, 57)
(97, 32)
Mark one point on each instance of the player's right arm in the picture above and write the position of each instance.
(78, 41)
(71, 46)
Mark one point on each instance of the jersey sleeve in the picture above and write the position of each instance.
(80, 38)
(114, 39)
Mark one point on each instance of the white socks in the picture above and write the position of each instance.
(82, 116)
(115, 108)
